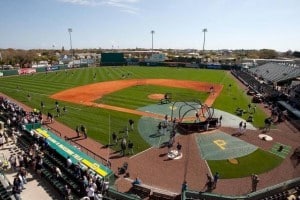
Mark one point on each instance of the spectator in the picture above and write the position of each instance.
(67, 193)
(1, 141)
(57, 172)
(90, 192)
(13, 162)
(69, 162)
(16, 192)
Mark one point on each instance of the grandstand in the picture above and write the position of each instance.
(276, 72)
(276, 83)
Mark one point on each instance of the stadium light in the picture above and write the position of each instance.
(70, 31)
(152, 33)
(204, 31)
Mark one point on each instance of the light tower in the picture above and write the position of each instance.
(70, 31)
(152, 33)
(204, 31)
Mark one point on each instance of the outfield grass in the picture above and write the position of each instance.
(257, 162)
(101, 122)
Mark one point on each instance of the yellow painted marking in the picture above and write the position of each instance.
(220, 143)
(95, 167)
(42, 132)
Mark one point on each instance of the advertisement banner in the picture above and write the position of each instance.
(26, 71)
(52, 68)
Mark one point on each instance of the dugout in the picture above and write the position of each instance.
(112, 59)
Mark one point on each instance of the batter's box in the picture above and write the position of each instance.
(222, 146)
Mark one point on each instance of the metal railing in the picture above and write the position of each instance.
(85, 150)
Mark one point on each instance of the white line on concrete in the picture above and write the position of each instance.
(140, 152)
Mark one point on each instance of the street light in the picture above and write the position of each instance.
(70, 31)
(152, 33)
(204, 31)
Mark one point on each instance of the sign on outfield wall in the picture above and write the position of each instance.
(52, 68)
(26, 71)
(1, 74)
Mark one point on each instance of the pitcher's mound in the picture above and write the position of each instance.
(156, 96)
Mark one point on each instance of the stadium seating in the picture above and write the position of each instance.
(140, 191)
(160, 196)
(4, 193)
(276, 72)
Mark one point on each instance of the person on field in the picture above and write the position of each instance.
(77, 131)
(131, 123)
(130, 147)
(83, 130)
(114, 138)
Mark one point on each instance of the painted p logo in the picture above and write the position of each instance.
(220, 143)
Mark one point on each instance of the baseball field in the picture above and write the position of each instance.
(100, 122)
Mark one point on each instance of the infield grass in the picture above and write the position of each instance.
(101, 122)
(137, 96)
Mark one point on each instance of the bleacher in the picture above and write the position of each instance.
(5, 193)
(249, 80)
(50, 159)
(276, 72)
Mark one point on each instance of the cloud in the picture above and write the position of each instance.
(128, 6)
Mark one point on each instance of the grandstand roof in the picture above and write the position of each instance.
(276, 72)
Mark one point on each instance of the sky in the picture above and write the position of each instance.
(178, 24)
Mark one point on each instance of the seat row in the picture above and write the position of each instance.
(51, 160)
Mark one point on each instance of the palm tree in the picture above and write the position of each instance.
(152, 33)
(204, 31)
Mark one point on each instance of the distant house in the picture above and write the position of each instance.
(41, 64)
